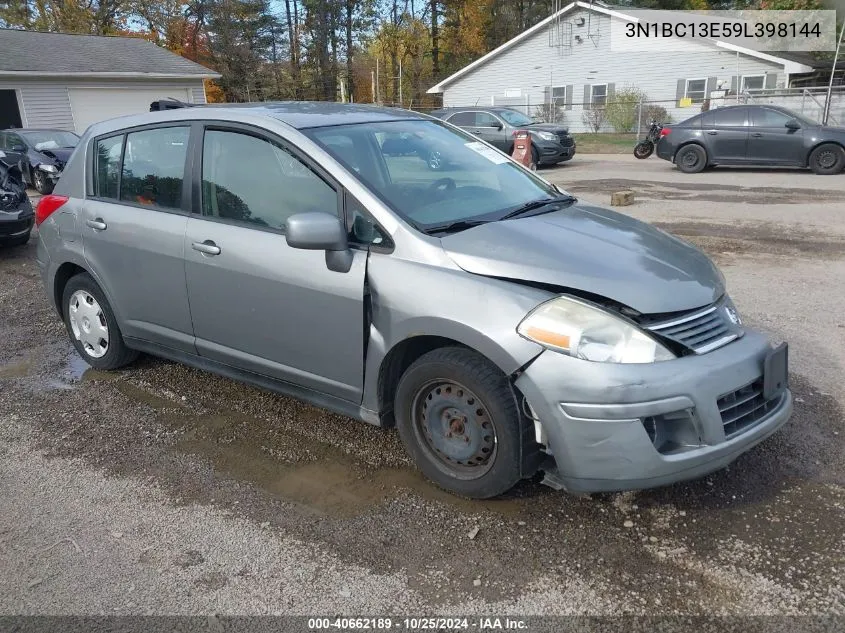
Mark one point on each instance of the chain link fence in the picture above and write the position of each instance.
(634, 117)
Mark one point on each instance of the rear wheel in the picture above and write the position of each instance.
(827, 159)
(691, 159)
(458, 419)
(643, 149)
(91, 324)
(535, 159)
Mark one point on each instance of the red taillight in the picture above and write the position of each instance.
(46, 206)
(664, 132)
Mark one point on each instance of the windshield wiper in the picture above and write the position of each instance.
(454, 227)
(537, 204)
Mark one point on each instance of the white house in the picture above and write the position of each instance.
(62, 81)
(567, 59)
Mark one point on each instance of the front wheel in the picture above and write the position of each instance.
(643, 149)
(691, 159)
(41, 183)
(827, 159)
(457, 417)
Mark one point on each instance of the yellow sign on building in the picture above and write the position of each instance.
(686, 102)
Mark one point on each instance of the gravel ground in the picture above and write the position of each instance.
(160, 489)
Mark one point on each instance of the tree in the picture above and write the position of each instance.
(623, 108)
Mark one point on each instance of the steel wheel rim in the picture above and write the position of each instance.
(690, 159)
(455, 429)
(88, 323)
(826, 159)
(39, 179)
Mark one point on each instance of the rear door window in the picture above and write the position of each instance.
(463, 119)
(154, 167)
(731, 117)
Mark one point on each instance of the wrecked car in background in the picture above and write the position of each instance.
(16, 215)
(502, 325)
(40, 155)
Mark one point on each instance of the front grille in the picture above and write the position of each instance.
(565, 139)
(745, 407)
(701, 331)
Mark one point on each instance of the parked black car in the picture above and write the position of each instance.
(39, 154)
(551, 143)
(763, 135)
(16, 215)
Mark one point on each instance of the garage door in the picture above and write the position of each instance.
(92, 105)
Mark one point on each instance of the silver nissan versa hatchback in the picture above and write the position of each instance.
(503, 326)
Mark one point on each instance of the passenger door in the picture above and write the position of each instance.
(771, 141)
(489, 128)
(258, 304)
(133, 230)
(726, 134)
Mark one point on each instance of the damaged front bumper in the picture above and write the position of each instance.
(616, 427)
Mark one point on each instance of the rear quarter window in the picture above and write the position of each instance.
(107, 154)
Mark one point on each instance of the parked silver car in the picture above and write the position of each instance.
(503, 326)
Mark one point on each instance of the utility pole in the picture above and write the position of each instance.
(373, 82)
(400, 82)
(378, 92)
(832, 73)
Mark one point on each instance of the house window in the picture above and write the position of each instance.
(598, 95)
(559, 94)
(753, 82)
(696, 90)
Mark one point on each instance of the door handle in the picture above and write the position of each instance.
(97, 224)
(206, 248)
(756, 135)
(712, 132)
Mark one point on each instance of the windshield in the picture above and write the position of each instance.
(514, 118)
(51, 140)
(430, 174)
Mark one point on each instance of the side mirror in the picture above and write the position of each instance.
(497, 125)
(792, 124)
(316, 231)
(18, 148)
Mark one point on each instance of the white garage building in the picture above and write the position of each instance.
(68, 82)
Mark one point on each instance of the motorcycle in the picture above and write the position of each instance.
(645, 147)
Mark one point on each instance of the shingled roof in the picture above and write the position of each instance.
(36, 53)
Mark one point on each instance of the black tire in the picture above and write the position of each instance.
(535, 159)
(827, 159)
(41, 183)
(117, 354)
(462, 391)
(691, 159)
(643, 149)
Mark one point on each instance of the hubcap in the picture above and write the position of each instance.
(88, 323)
(455, 428)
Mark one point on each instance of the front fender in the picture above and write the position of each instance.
(411, 299)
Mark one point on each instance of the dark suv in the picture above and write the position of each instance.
(551, 143)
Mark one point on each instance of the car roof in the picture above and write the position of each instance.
(297, 114)
(24, 130)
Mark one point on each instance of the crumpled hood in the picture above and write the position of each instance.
(59, 154)
(595, 250)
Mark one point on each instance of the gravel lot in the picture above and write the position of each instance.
(161, 490)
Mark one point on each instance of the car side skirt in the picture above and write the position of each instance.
(318, 399)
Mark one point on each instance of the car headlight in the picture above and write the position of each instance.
(50, 169)
(579, 329)
(547, 136)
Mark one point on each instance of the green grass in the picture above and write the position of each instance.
(605, 143)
